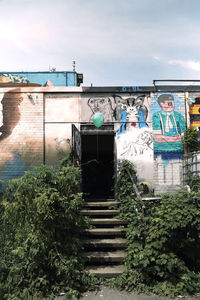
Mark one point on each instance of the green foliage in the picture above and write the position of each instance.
(40, 235)
(191, 140)
(193, 181)
(164, 259)
(125, 192)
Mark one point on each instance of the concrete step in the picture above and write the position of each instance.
(105, 231)
(105, 243)
(99, 199)
(98, 212)
(105, 221)
(101, 204)
(104, 256)
(106, 271)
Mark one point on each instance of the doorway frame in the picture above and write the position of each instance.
(107, 129)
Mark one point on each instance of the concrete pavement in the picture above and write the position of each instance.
(106, 293)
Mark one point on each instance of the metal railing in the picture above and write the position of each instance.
(191, 163)
(141, 199)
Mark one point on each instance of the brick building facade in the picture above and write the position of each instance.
(142, 124)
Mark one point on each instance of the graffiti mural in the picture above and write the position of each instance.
(135, 138)
(142, 144)
(102, 105)
(127, 110)
(168, 127)
(131, 112)
(168, 123)
(132, 125)
(21, 126)
(134, 134)
(10, 114)
(5, 78)
(195, 111)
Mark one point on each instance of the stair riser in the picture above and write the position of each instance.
(101, 200)
(104, 260)
(105, 246)
(106, 275)
(100, 213)
(105, 230)
(101, 205)
(107, 222)
(102, 234)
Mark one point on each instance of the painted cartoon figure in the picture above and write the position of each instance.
(136, 113)
(168, 127)
(133, 115)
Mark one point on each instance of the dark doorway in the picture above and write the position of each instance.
(97, 165)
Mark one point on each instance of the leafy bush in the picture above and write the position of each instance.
(191, 140)
(164, 258)
(40, 232)
(193, 181)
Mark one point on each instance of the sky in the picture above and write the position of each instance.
(114, 43)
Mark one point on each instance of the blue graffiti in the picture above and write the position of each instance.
(14, 168)
(122, 128)
(141, 122)
(167, 156)
(131, 89)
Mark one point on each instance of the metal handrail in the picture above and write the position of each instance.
(139, 197)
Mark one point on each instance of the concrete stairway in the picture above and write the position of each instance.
(104, 244)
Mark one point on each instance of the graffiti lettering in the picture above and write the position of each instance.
(131, 89)
(4, 77)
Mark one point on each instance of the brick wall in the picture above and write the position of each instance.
(21, 139)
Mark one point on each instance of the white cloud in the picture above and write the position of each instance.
(157, 57)
(187, 64)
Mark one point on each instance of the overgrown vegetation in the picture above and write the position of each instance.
(193, 181)
(191, 140)
(41, 227)
(40, 230)
(162, 256)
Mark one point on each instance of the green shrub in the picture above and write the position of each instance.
(191, 140)
(193, 181)
(40, 235)
(164, 258)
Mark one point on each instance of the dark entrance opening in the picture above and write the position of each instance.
(97, 165)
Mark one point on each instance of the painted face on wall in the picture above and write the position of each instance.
(97, 104)
(167, 105)
(122, 104)
(132, 114)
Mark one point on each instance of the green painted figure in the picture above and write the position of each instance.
(168, 127)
